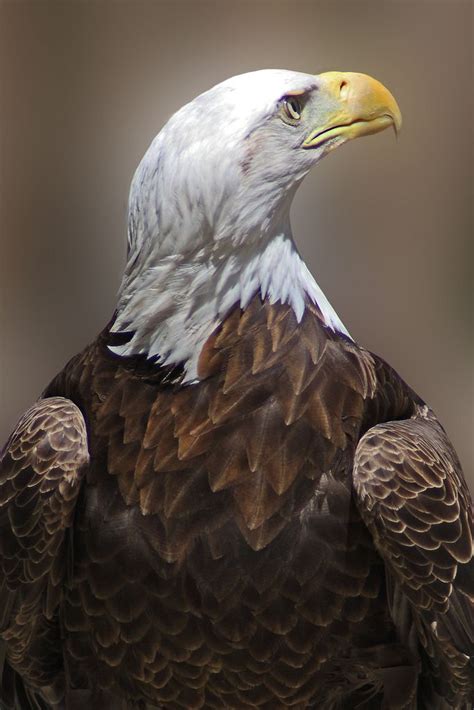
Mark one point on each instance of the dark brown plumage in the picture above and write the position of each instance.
(292, 531)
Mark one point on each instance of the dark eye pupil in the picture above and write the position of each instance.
(293, 108)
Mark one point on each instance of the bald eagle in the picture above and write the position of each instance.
(224, 501)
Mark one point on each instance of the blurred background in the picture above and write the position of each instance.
(385, 226)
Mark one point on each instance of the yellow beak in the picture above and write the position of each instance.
(351, 105)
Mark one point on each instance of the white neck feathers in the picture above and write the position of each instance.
(173, 306)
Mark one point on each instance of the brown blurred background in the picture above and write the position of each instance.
(386, 226)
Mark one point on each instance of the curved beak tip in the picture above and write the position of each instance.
(397, 122)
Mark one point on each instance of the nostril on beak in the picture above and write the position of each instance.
(343, 88)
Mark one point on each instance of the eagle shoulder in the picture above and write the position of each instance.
(41, 469)
(411, 493)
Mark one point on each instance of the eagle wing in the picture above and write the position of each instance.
(412, 496)
(41, 468)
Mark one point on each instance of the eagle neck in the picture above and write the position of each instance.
(170, 308)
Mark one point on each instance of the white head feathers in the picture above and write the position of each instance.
(209, 219)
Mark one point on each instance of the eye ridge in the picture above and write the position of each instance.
(293, 108)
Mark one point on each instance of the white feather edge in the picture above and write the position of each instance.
(174, 307)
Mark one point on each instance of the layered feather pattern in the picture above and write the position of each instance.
(219, 557)
(221, 561)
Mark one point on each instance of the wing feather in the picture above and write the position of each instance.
(412, 496)
(41, 468)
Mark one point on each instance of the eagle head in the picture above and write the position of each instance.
(209, 203)
(226, 163)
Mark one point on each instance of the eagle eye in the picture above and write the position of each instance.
(292, 108)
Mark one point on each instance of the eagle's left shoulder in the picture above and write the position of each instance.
(412, 495)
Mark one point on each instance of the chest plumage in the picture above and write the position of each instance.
(219, 516)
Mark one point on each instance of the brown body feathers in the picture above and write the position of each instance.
(291, 531)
